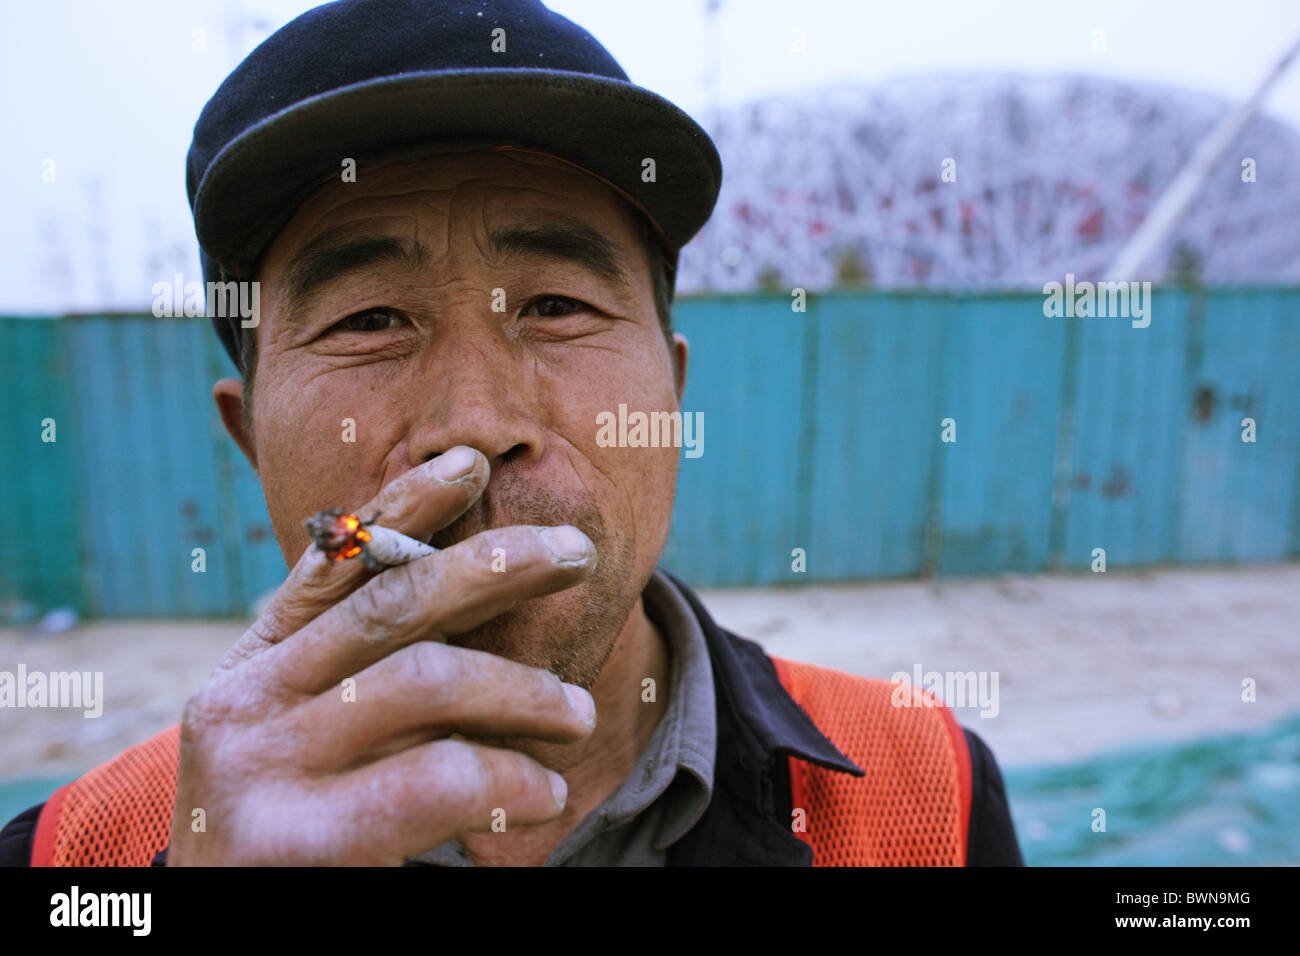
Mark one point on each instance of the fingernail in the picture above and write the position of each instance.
(582, 703)
(566, 542)
(559, 788)
(454, 464)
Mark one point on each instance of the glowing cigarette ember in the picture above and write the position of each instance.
(341, 536)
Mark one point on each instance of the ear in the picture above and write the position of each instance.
(229, 395)
(681, 352)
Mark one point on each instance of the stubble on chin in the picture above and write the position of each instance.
(572, 632)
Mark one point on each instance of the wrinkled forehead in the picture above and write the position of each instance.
(463, 191)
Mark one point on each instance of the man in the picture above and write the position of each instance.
(464, 221)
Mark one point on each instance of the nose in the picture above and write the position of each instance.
(478, 389)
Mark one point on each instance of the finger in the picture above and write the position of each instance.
(446, 593)
(417, 503)
(431, 690)
(409, 803)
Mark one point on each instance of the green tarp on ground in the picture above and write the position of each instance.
(1229, 800)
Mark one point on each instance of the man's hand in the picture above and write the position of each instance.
(288, 771)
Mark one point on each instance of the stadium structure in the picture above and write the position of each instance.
(979, 182)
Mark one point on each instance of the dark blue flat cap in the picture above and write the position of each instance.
(391, 80)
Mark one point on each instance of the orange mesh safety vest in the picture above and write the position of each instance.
(911, 808)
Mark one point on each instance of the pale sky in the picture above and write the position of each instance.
(110, 92)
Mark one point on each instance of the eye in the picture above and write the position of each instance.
(555, 306)
(371, 320)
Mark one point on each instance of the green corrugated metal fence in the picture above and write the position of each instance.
(822, 433)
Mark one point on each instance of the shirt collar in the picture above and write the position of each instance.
(688, 731)
(761, 706)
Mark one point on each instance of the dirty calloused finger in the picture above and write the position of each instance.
(418, 503)
(447, 593)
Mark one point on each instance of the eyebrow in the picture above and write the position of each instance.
(562, 239)
(327, 259)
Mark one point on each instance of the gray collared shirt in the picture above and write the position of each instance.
(672, 783)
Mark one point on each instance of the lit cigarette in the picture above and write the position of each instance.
(341, 536)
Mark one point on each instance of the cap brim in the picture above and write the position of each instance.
(606, 127)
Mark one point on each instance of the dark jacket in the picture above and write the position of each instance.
(748, 820)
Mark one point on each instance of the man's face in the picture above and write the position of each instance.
(500, 301)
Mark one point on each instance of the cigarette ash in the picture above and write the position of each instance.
(342, 535)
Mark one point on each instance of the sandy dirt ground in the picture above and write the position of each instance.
(1084, 663)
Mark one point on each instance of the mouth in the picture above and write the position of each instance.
(470, 523)
(442, 540)
(517, 502)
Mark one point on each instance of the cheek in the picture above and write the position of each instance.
(634, 486)
(317, 449)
